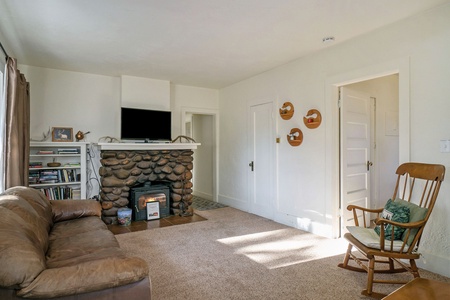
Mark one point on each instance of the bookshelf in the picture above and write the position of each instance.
(58, 169)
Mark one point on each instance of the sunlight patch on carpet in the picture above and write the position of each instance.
(281, 248)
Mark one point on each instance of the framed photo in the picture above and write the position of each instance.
(62, 134)
(152, 210)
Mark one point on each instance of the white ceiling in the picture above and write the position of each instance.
(206, 43)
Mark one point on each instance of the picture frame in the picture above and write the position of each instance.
(62, 134)
(152, 210)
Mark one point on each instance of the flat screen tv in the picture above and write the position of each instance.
(143, 125)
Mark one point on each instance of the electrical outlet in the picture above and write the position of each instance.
(445, 146)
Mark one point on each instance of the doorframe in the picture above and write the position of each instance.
(215, 115)
(332, 156)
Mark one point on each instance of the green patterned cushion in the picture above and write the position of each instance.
(395, 212)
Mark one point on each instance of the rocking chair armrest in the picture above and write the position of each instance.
(407, 226)
(381, 221)
(355, 210)
(371, 210)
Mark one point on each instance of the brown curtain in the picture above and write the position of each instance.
(17, 135)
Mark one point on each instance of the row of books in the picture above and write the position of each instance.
(68, 151)
(60, 193)
(52, 176)
(59, 151)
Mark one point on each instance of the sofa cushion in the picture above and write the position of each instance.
(37, 200)
(23, 209)
(76, 226)
(73, 209)
(79, 245)
(21, 256)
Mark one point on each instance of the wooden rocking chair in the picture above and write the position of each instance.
(417, 189)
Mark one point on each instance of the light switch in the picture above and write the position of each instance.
(445, 146)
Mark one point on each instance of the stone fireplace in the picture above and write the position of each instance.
(126, 165)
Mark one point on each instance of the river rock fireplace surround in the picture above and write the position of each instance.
(126, 165)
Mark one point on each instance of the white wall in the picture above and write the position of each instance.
(85, 102)
(302, 200)
(89, 102)
(146, 93)
(184, 97)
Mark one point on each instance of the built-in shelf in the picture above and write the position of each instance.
(67, 180)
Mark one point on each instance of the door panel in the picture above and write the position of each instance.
(355, 152)
(261, 172)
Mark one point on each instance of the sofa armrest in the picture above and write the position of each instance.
(86, 277)
(73, 209)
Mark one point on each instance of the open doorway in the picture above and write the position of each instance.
(367, 175)
(331, 113)
(201, 125)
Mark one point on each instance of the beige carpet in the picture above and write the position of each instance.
(236, 255)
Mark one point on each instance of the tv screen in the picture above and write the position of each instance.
(145, 125)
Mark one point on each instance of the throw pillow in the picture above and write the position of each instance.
(395, 212)
(416, 214)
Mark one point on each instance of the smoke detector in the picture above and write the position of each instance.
(328, 39)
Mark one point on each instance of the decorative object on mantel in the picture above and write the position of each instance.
(287, 110)
(80, 135)
(108, 139)
(45, 137)
(190, 140)
(313, 119)
(295, 137)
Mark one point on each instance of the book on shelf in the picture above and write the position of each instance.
(35, 164)
(60, 193)
(45, 152)
(74, 164)
(68, 151)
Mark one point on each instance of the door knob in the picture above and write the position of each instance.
(369, 164)
(251, 165)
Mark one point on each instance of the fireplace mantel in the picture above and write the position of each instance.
(147, 146)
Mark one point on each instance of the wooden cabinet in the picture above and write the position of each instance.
(58, 169)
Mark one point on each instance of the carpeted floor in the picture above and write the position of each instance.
(236, 255)
(204, 204)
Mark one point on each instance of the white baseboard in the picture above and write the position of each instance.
(434, 263)
(304, 224)
(235, 203)
(203, 195)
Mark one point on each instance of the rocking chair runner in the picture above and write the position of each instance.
(417, 189)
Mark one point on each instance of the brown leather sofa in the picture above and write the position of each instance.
(62, 250)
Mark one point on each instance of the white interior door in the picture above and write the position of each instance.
(355, 152)
(261, 160)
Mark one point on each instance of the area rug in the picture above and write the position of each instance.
(236, 255)
(199, 203)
